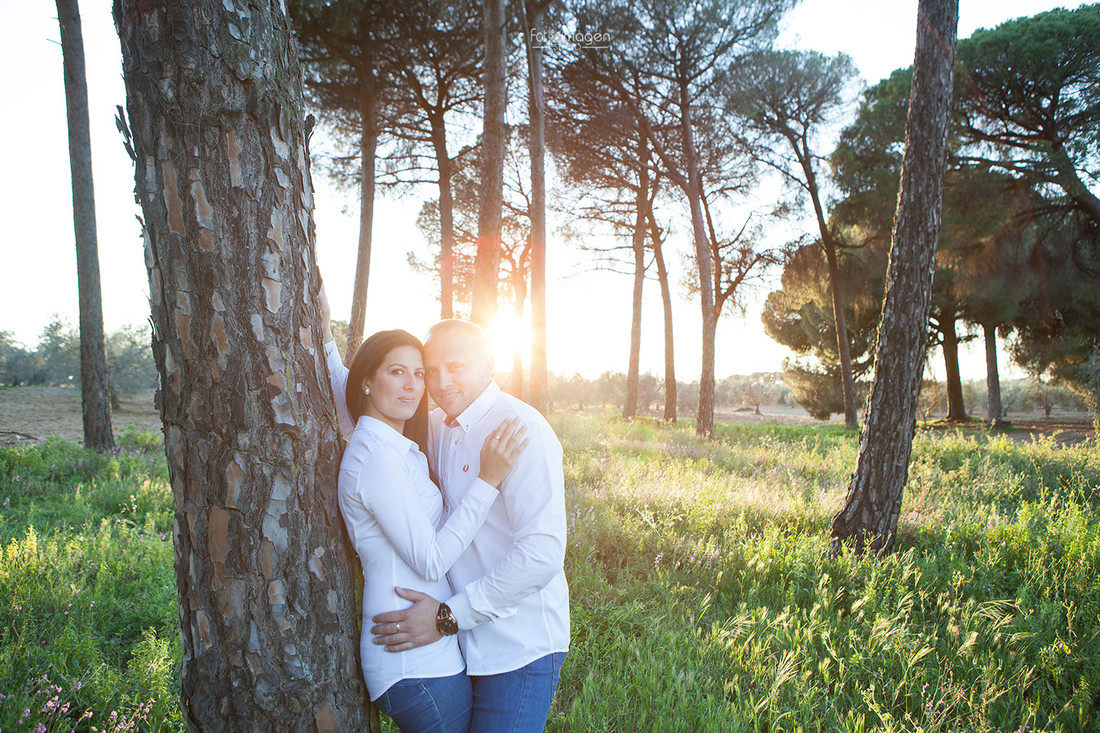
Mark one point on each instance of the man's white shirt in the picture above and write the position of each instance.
(511, 598)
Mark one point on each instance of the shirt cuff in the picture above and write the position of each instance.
(465, 615)
(482, 492)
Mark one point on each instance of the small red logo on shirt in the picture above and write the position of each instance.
(466, 468)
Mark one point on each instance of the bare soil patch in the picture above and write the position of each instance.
(1065, 428)
(32, 414)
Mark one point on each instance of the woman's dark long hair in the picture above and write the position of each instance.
(367, 361)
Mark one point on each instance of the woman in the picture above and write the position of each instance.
(391, 508)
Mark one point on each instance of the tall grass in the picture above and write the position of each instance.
(703, 595)
(88, 624)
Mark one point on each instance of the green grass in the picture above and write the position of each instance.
(703, 594)
(88, 623)
(704, 597)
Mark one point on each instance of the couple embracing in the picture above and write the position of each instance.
(458, 517)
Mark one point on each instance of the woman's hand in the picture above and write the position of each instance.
(501, 450)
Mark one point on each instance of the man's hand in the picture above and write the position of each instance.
(411, 628)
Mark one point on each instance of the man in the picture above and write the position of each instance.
(511, 602)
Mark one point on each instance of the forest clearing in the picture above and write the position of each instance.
(239, 511)
(703, 595)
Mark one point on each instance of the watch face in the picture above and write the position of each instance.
(445, 621)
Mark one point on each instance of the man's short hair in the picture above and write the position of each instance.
(471, 331)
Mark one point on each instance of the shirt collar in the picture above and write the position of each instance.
(376, 427)
(476, 409)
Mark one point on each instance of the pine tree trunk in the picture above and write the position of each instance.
(368, 147)
(519, 292)
(851, 418)
(840, 320)
(534, 12)
(870, 513)
(630, 403)
(493, 144)
(994, 411)
(956, 408)
(704, 421)
(666, 301)
(95, 399)
(446, 220)
(264, 578)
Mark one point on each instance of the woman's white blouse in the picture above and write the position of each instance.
(392, 511)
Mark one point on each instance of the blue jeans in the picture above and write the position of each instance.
(516, 701)
(423, 704)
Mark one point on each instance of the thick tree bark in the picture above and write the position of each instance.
(994, 411)
(368, 116)
(267, 611)
(956, 407)
(95, 401)
(446, 219)
(534, 11)
(491, 191)
(870, 513)
(666, 301)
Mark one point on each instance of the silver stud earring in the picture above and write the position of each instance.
(366, 390)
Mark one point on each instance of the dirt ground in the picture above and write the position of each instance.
(31, 414)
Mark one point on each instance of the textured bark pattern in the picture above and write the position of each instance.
(870, 513)
(95, 401)
(269, 623)
(491, 191)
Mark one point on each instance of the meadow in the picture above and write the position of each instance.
(703, 594)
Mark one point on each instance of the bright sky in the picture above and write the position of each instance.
(589, 313)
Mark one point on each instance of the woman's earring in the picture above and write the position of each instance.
(366, 390)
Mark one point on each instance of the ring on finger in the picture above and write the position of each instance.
(397, 628)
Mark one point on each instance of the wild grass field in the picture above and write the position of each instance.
(703, 594)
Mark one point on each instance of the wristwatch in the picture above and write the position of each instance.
(445, 621)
